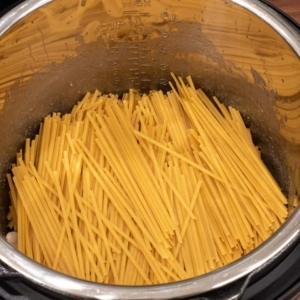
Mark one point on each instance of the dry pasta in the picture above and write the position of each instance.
(148, 189)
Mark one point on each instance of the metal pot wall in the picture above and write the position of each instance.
(52, 52)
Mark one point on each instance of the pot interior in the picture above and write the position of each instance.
(55, 54)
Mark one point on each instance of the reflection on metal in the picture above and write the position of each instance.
(275, 20)
(19, 12)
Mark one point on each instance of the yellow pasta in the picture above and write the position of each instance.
(163, 187)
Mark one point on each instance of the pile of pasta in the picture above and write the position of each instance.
(147, 189)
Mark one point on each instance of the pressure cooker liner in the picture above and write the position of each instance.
(58, 52)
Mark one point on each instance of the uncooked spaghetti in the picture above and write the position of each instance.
(163, 187)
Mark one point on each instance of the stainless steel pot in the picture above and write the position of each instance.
(52, 52)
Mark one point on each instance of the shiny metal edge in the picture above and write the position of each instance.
(62, 283)
(19, 12)
(275, 20)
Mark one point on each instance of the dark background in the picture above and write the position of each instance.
(291, 7)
